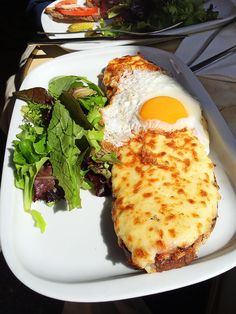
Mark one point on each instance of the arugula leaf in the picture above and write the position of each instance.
(65, 155)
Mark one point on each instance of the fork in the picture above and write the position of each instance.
(213, 59)
(208, 41)
(121, 31)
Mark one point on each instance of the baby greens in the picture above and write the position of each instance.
(58, 150)
(142, 15)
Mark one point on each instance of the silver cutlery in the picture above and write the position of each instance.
(121, 31)
(61, 41)
(208, 41)
(201, 65)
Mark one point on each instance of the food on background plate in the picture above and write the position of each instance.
(135, 15)
(58, 150)
(141, 15)
(68, 11)
(164, 188)
(81, 26)
(154, 14)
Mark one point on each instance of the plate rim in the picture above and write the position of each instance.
(186, 30)
(82, 292)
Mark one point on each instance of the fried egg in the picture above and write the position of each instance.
(147, 99)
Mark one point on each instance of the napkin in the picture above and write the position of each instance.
(215, 41)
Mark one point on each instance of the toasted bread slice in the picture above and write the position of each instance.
(164, 188)
(71, 14)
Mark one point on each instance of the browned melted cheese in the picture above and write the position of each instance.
(118, 66)
(165, 195)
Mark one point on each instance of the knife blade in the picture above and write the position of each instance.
(60, 41)
(212, 59)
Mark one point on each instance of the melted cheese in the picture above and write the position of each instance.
(165, 194)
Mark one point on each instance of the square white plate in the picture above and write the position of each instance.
(226, 9)
(77, 258)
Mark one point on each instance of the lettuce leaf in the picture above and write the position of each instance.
(54, 134)
(24, 179)
(94, 138)
(65, 155)
(63, 83)
(30, 153)
(37, 114)
(59, 84)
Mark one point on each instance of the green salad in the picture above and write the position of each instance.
(58, 150)
(142, 15)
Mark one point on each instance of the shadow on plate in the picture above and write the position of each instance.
(114, 252)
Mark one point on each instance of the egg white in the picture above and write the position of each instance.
(121, 116)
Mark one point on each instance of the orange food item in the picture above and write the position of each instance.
(79, 11)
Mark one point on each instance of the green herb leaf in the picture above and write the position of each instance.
(64, 157)
(75, 111)
(30, 153)
(65, 83)
(36, 113)
(24, 179)
(38, 219)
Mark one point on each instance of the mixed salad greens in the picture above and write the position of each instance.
(58, 150)
(142, 15)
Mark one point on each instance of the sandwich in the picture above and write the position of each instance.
(68, 11)
(165, 194)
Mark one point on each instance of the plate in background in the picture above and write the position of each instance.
(226, 9)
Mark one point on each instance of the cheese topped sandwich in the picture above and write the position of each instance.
(164, 188)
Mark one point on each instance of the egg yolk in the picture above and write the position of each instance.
(163, 108)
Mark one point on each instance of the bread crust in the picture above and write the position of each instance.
(178, 258)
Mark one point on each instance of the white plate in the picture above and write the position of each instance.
(77, 258)
(226, 9)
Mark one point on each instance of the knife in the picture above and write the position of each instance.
(60, 41)
(212, 59)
